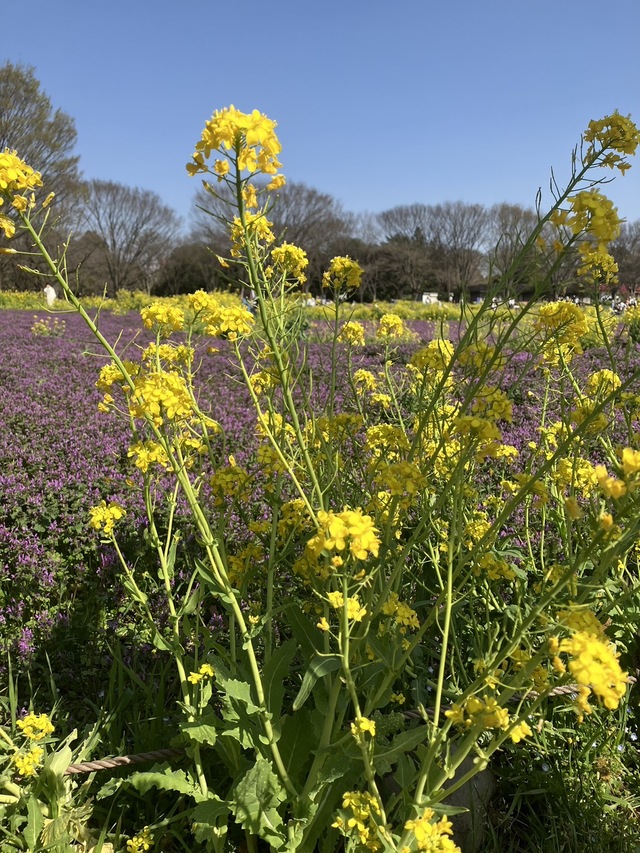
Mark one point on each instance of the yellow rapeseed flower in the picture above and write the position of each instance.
(343, 275)
(103, 517)
(35, 726)
(26, 763)
(594, 664)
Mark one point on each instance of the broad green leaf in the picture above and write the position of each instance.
(239, 692)
(255, 801)
(210, 821)
(319, 666)
(384, 757)
(202, 730)
(273, 678)
(405, 773)
(297, 740)
(165, 779)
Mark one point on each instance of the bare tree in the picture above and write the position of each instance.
(626, 250)
(457, 233)
(133, 231)
(404, 221)
(508, 229)
(300, 214)
(42, 136)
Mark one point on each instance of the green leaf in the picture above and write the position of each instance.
(35, 822)
(210, 821)
(59, 761)
(202, 730)
(384, 757)
(273, 677)
(239, 708)
(255, 802)
(406, 772)
(308, 636)
(171, 556)
(165, 779)
(239, 692)
(319, 666)
(297, 740)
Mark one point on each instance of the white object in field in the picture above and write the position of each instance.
(50, 295)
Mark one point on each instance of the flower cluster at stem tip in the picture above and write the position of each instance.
(250, 137)
(16, 177)
(103, 517)
(140, 843)
(35, 726)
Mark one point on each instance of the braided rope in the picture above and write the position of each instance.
(122, 761)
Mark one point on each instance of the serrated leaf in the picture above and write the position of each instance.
(384, 757)
(165, 779)
(255, 800)
(240, 692)
(202, 730)
(319, 666)
(210, 820)
(273, 678)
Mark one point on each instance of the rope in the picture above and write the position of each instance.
(122, 761)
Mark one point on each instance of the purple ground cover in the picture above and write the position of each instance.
(59, 456)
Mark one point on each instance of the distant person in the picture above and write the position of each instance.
(50, 296)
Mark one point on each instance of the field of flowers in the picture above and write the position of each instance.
(325, 569)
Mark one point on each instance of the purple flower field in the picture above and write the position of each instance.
(59, 455)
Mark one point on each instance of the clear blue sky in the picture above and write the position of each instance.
(378, 103)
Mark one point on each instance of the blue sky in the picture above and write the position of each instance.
(378, 103)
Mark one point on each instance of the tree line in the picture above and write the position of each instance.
(126, 238)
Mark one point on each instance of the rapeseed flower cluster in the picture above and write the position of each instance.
(615, 132)
(349, 530)
(494, 567)
(493, 403)
(35, 726)
(166, 318)
(169, 353)
(343, 275)
(405, 617)
(352, 333)
(250, 136)
(431, 361)
(401, 479)
(355, 611)
(485, 713)
(146, 454)
(256, 228)
(358, 818)
(430, 835)
(205, 671)
(391, 326)
(104, 517)
(563, 321)
(140, 843)
(595, 666)
(290, 260)
(16, 177)
(27, 763)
